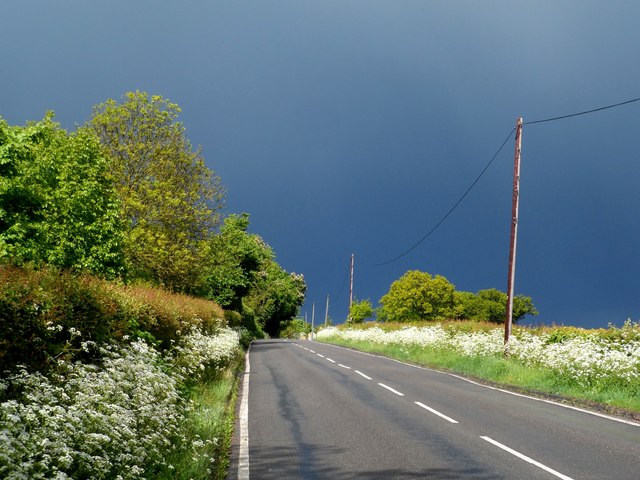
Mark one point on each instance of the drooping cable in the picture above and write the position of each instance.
(533, 122)
(344, 282)
(562, 117)
(451, 210)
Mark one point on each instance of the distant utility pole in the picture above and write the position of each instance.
(313, 317)
(326, 313)
(350, 287)
(514, 235)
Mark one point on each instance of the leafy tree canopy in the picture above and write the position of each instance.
(275, 297)
(491, 305)
(235, 258)
(295, 328)
(170, 199)
(57, 203)
(360, 311)
(418, 296)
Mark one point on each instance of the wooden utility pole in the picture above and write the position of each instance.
(326, 313)
(351, 287)
(351, 281)
(514, 236)
(313, 318)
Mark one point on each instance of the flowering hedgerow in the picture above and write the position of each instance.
(590, 359)
(116, 420)
(197, 353)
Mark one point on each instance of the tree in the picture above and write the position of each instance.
(295, 328)
(491, 305)
(360, 310)
(418, 296)
(275, 297)
(57, 203)
(170, 199)
(235, 257)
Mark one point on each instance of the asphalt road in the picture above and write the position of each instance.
(316, 411)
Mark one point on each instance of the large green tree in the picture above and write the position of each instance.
(275, 298)
(170, 199)
(491, 305)
(57, 202)
(234, 260)
(418, 296)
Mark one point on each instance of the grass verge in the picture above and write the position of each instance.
(210, 425)
(507, 373)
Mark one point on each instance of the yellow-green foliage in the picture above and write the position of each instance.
(48, 313)
(165, 314)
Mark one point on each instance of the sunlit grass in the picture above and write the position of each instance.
(209, 428)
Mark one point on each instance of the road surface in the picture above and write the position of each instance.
(317, 411)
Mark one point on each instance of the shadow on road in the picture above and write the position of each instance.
(330, 463)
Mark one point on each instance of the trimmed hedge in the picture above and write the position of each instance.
(47, 314)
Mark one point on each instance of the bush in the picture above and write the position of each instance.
(119, 418)
(164, 314)
(47, 314)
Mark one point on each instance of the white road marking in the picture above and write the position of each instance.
(243, 456)
(526, 459)
(391, 389)
(442, 415)
(332, 361)
(362, 374)
(312, 351)
(320, 355)
(344, 366)
(460, 377)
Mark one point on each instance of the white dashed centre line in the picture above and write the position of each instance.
(344, 366)
(442, 415)
(391, 389)
(330, 360)
(362, 374)
(320, 355)
(526, 459)
(312, 351)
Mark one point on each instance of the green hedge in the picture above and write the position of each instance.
(47, 314)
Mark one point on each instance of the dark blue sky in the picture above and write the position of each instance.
(353, 127)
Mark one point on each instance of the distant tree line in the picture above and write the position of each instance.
(127, 197)
(420, 296)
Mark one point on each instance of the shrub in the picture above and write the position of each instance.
(47, 314)
(118, 418)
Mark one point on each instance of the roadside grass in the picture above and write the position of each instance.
(209, 424)
(508, 373)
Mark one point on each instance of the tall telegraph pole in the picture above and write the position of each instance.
(351, 286)
(514, 235)
(326, 313)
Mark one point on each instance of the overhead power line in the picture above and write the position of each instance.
(435, 227)
(545, 120)
(344, 281)
(553, 119)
